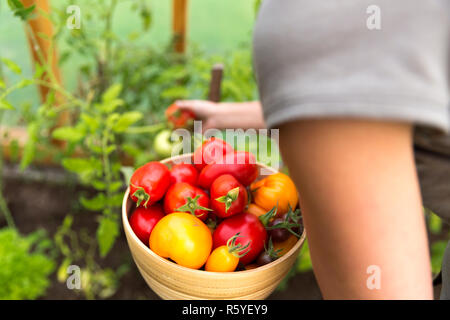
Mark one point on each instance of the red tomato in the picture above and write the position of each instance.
(228, 196)
(240, 164)
(212, 150)
(250, 228)
(183, 172)
(143, 220)
(179, 118)
(184, 197)
(149, 183)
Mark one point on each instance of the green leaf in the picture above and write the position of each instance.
(29, 151)
(81, 166)
(24, 83)
(175, 93)
(112, 93)
(127, 173)
(127, 119)
(39, 70)
(110, 106)
(5, 105)
(12, 65)
(437, 255)
(2, 84)
(304, 263)
(96, 203)
(70, 134)
(107, 232)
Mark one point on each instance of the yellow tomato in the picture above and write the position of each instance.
(183, 238)
(276, 189)
(221, 260)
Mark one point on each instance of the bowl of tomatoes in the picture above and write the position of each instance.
(214, 224)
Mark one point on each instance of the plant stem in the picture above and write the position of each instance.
(3, 205)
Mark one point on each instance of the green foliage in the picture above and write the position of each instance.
(24, 265)
(20, 10)
(98, 133)
(79, 248)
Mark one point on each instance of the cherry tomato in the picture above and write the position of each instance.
(228, 196)
(250, 229)
(179, 118)
(278, 234)
(184, 197)
(184, 172)
(149, 183)
(143, 220)
(210, 151)
(240, 164)
(226, 258)
(268, 255)
(183, 238)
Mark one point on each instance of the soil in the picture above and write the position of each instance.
(41, 197)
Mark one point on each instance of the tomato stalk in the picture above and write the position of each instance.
(265, 218)
(229, 198)
(192, 205)
(237, 250)
(141, 195)
(291, 222)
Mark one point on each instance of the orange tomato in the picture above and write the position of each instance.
(255, 210)
(276, 189)
(285, 245)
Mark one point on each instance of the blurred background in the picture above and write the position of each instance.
(80, 108)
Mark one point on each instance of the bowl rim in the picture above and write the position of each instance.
(128, 230)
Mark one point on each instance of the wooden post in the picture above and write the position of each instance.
(179, 24)
(42, 48)
(216, 83)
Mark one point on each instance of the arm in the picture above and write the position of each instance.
(226, 115)
(361, 205)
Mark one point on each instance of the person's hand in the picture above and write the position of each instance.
(225, 115)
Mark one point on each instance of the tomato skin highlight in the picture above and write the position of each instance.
(143, 220)
(210, 151)
(177, 195)
(179, 118)
(221, 260)
(184, 172)
(240, 164)
(183, 238)
(221, 188)
(275, 190)
(250, 229)
(149, 183)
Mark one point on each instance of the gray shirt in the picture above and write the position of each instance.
(379, 59)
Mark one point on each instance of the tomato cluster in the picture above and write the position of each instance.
(214, 213)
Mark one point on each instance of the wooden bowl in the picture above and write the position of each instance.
(172, 281)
